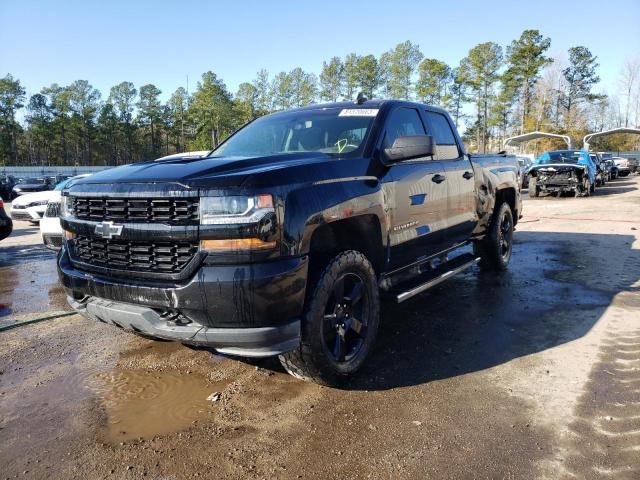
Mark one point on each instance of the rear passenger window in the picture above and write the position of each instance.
(445, 140)
(401, 123)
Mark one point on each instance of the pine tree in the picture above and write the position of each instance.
(433, 81)
(12, 96)
(123, 97)
(367, 75)
(525, 59)
(331, 80)
(150, 115)
(211, 110)
(400, 64)
(580, 76)
(480, 69)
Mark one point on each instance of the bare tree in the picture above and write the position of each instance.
(629, 81)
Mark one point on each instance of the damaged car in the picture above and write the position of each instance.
(563, 171)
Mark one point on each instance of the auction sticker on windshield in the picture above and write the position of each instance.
(358, 112)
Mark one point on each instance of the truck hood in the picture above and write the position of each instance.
(201, 172)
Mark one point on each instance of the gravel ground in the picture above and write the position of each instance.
(531, 374)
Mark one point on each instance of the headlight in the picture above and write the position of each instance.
(234, 209)
(66, 206)
(40, 202)
(254, 216)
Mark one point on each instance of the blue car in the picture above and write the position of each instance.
(563, 171)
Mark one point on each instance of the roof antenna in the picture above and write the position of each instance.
(361, 98)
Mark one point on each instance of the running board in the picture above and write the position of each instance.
(455, 266)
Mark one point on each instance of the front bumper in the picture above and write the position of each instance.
(227, 307)
(559, 188)
(31, 214)
(247, 342)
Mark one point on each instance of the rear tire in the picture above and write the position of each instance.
(495, 248)
(339, 323)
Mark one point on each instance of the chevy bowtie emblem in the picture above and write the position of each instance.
(108, 230)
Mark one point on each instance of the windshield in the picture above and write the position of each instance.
(559, 157)
(333, 131)
(60, 185)
(31, 181)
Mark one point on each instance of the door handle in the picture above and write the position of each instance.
(438, 178)
(467, 175)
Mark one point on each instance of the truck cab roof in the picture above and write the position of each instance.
(368, 104)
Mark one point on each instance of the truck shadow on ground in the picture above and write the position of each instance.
(556, 289)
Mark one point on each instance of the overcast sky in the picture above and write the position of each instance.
(161, 42)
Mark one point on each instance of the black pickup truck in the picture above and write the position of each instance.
(283, 239)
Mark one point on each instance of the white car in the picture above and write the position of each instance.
(624, 168)
(50, 227)
(30, 207)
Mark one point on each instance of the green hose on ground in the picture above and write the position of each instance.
(35, 320)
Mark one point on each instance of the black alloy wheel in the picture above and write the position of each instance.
(345, 318)
(340, 321)
(505, 236)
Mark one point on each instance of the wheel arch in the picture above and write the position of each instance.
(361, 232)
(507, 195)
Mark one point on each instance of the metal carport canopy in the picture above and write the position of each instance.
(587, 138)
(525, 137)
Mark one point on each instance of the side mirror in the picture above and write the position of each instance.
(406, 148)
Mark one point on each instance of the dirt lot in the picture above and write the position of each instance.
(530, 374)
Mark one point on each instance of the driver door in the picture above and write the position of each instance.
(417, 194)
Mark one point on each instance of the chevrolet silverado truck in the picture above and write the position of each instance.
(283, 240)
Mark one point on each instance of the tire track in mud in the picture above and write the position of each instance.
(605, 434)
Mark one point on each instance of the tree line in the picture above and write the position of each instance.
(494, 92)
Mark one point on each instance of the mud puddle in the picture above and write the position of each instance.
(29, 282)
(143, 404)
(144, 397)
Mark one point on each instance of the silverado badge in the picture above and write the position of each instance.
(108, 229)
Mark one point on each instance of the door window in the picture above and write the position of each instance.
(401, 123)
(446, 146)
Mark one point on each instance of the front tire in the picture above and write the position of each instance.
(586, 189)
(533, 188)
(339, 323)
(495, 248)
